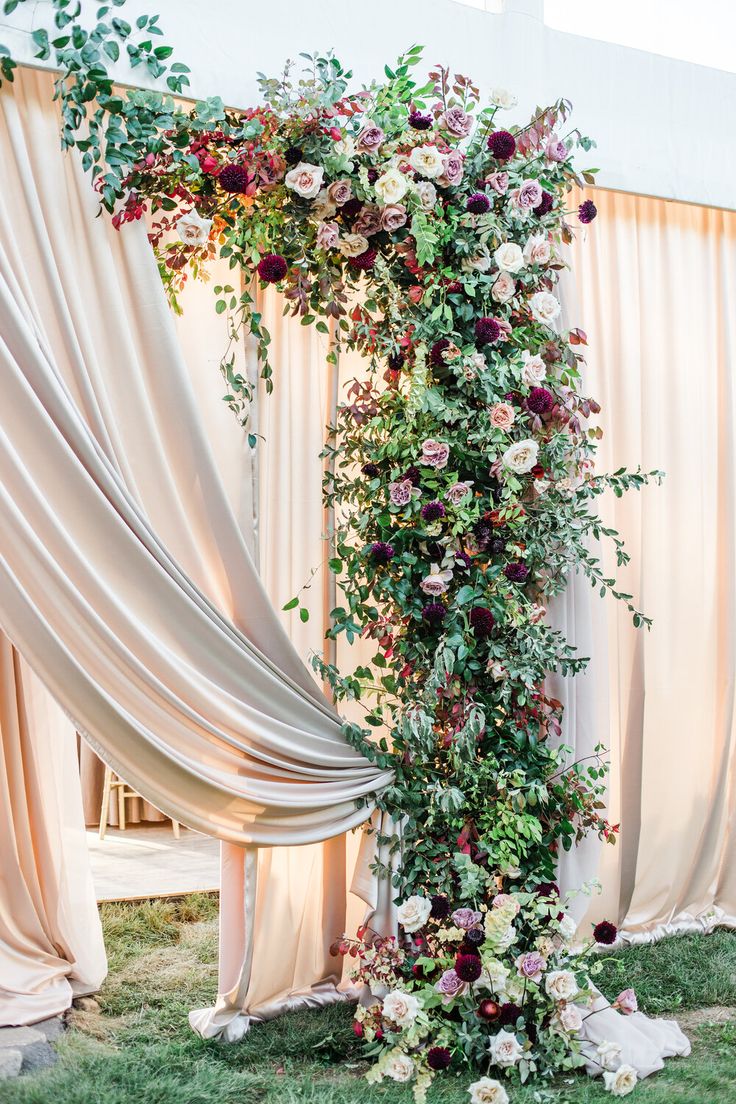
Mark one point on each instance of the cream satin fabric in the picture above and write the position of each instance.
(125, 574)
(51, 945)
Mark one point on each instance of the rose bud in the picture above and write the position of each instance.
(489, 1010)
(358, 1028)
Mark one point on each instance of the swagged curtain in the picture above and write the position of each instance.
(126, 580)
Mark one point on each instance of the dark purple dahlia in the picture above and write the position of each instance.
(396, 361)
(475, 937)
(516, 572)
(418, 120)
(272, 268)
(365, 261)
(468, 967)
(293, 155)
(434, 614)
(509, 1014)
(371, 470)
(497, 545)
(233, 178)
(481, 621)
(540, 400)
(413, 474)
(487, 330)
(351, 208)
(605, 932)
(381, 552)
(440, 903)
(502, 145)
(478, 203)
(436, 352)
(587, 211)
(433, 511)
(462, 559)
(438, 1058)
(372, 176)
(548, 891)
(545, 205)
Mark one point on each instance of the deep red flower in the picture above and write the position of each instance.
(438, 1058)
(502, 145)
(468, 967)
(272, 268)
(487, 330)
(605, 932)
(481, 621)
(587, 211)
(233, 178)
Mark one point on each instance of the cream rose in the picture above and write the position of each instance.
(502, 98)
(193, 229)
(480, 261)
(401, 1008)
(561, 985)
(538, 250)
(521, 456)
(570, 1018)
(509, 257)
(427, 193)
(609, 1054)
(567, 927)
(622, 1081)
(427, 161)
(533, 368)
(413, 914)
(392, 186)
(322, 206)
(498, 975)
(345, 146)
(352, 245)
(488, 1091)
(505, 1049)
(504, 287)
(399, 1066)
(545, 307)
(305, 179)
(502, 416)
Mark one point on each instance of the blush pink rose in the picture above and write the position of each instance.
(502, 416)
(499, 181)
(339, 192)
(504, 287)
(393, 216)
(435, 453)
(626, 1002)
(328, 235)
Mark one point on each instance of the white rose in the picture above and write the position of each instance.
(545, 307)
(305, 179)
(533, 369)
(427, 161)
(567, 927)
(501, 97)
(561, 985)
(497, 976)
(399, 1066)
(504, 287)
(521, 456)
(570, 1018)
(413, 914)
(609, 1054)
(538, 250)
(480, 261)
(622, 1082)
(400, 1007)
(345, 146)
(194, 230)
(427, 193)
(509, 257)
(488, 1091)
(505, 1049)
(352, 245)
(392, 186)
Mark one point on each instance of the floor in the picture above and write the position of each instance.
(148, 862)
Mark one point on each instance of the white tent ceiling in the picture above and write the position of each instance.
(663, 126)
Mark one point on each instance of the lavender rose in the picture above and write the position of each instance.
(370, 138)
(452, 170)
(531, 965)
(449, 985)
(435, 453)
(340, 191)
(457, 121)
(393, 217)
(528, 195)
(466, 918)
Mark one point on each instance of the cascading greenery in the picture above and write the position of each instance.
(461, 462)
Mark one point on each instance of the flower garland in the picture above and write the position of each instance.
(462, 472)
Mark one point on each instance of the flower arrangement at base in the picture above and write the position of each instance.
(429, 234)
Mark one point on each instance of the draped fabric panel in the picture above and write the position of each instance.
(125, 575)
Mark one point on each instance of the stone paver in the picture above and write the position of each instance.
(11, 1061)
(28, 1049)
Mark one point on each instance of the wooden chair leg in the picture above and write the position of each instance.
(175, 826)
(121, 808)
(105, 809)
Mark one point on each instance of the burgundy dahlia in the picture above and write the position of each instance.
(440, 903)
(545, 205)
(433, 511)
(548, 891)
(434, 614)
(481, 621)
(478, 203)
(516, 572)
(365, 261)
(502, 145)
(419, 121)
(233, 178)
(371, 470)
(413, 474)
(293, 155)
(436, 352)
(396, 361)
(272, 268)
(605, 932)
(487, 330)
(438, 1058)
(462, 559)
(468, 967)
(372, 176)
(475, 937)
(351, 208)
(381, 552)
(497, 545)
(509, 1014)
(587, 211)
(540, 400)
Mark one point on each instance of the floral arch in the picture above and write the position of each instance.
(462, 465)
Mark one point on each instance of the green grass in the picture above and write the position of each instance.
(163, 955)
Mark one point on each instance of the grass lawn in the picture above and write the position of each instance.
(139, 1049)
